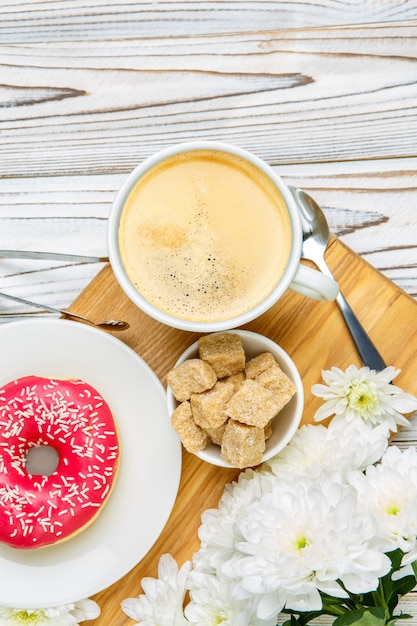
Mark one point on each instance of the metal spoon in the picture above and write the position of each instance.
(316, 235)
(111, 324)
(51, 256)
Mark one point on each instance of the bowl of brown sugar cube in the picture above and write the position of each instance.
(235, 398)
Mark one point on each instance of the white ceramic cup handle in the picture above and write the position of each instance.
(313, 284)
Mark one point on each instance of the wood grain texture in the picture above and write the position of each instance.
(314, 335)
(330, 105)
(98, 20)
(101, 107)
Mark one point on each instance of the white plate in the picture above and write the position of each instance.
(149, 473)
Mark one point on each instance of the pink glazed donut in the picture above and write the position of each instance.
(70, 416)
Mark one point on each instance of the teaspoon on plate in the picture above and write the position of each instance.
(110, 324)
(316, 235)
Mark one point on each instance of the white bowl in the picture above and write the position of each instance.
(285, 424)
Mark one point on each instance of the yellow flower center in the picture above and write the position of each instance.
(393, 509)
(23, 617)
(300, 543)
(361, 398)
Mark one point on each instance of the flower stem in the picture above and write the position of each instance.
(332, 609)
(379, 597)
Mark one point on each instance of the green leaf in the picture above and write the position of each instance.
(404, 585)
(402, 616)
(302, 618)
(374, 616)
(396, 558)
(399, 588)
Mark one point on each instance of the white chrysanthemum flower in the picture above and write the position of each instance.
(212, 604)
(364, 394)
(284, 535)
(301, 539)
(65, 615)
(388, 492)
(162, 602)
(343, 446)
(217, 532)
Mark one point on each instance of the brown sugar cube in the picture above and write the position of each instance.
(224, 352)
(259, 364)
(278, 382)
(191, 376)
(268, 430)
(235, 379)
(193, 438)
(253, 404)
(216, 434)
(242, 445)
(208, 408)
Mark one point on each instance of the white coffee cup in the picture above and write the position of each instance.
(296, 276)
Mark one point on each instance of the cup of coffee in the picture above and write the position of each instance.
(204, 236)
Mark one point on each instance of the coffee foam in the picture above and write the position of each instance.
(210, 252)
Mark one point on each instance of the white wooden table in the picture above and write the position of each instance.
(325, 91)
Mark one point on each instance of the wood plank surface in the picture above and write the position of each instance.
(324, 91)
(97, 20)
(314, 335)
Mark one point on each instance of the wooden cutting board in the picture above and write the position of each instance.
(314, 335)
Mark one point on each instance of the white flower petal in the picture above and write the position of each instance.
(131, 607)
(364, 394)
(388, 492)
(270, 605)
(162, 602)
(65, 615)
(85, 610)
(310, 601)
